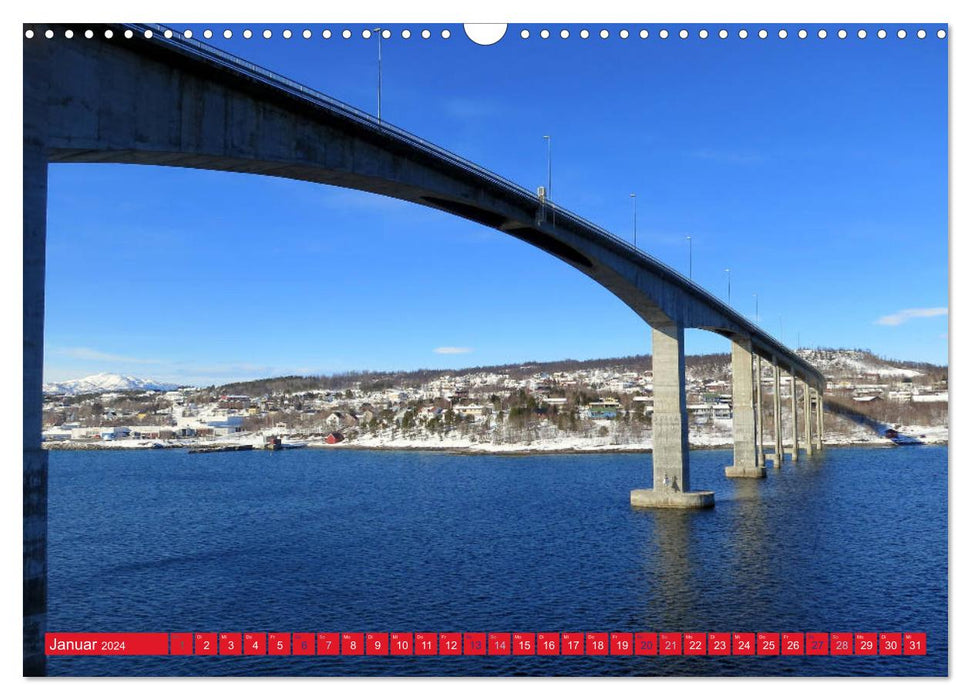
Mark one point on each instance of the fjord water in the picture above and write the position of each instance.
(854, 540)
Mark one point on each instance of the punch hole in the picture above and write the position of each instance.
(88, 34)
(187, 33)
(425, 34)
(584, 33)
(287, 34)
(941, 34)
(148, 33)
(446, 34)
(902, 34)
(70, 34)
(128, 34)
(663, 34)
(207, 34)
(763, 34)
(841, 33)
(405, 33)
(861, 33)
(703, 33)
(366, 34)
(306, 33)
(803, 33)
(49, 34)
(683, 34)
(604, 33)
(544, 34)
(564, 34)
(624, 33)
(882, 34)
(167, 34)
(109, 33)
(644, 34)
(743, 34)
(821, 33)
(29, 34)
(783, 33)
(722, 33)
(267, 34)
(346, 33)
(227, 34)
(524, 34)
(327, 34)
(921, 34)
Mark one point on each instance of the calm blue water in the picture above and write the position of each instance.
(308, 540)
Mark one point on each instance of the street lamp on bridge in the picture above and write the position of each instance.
(756, 295)
(633, 198)
(379, 31)
(729, 271)
(688, 238)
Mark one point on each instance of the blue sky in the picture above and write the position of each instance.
(816, 170)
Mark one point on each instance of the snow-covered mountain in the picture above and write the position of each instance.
(854, 363)
(104, 382)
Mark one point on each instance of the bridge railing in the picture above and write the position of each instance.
(179, 42)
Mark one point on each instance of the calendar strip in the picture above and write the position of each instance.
(396, 644)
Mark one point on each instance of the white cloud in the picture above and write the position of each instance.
(908, 314)
(101, 356)
(447, 350)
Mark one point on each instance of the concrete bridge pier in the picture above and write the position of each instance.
(34, 458)
(807, 403)
(795, 418)
(671, 487)
(743, 412)
(780, 452)
(759, 418)
(819, 418)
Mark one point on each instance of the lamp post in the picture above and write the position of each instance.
(378, 31)
(688, 238)
(756, 295)
(729, 271)
(549, 175)
(633, 198)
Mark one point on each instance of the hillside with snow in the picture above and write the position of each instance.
(106, 382)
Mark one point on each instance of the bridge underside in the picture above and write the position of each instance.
(149, 102)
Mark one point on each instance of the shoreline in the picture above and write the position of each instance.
(517, 451)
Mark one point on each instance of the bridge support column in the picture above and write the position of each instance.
(807, 403)
(743, 412)
(780, 450)
(34, 458)
(759, 418)
(819, 418)
(795, 418)
(670, 428)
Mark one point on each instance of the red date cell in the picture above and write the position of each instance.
(180, 643)
(694, 644)
(278, 643)
(303, 643)
(768, 643)
(792, 644)
(645, 644)
(865, 643)
(352, 644)
(571, 644)
(329, 644)
(523, 643)
(841, 644)
(548, 644)
(890, 644)
(401, 644)
(915, 644)
(817, 643)
(230, 643)
(621, 643)
(475, 643)
(597, 644)
(743, 643)
(377, 643)
(669, 643)
(254, 643)
(499, 644)
(205, 643)
(450, 644)
(719, 643)
(426, 644)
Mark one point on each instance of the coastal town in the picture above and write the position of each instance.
(597, 405)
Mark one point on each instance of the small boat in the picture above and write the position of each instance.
(220, 448)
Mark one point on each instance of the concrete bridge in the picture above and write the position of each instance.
(167, 100)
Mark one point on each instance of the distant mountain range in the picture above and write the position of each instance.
(105, 382)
